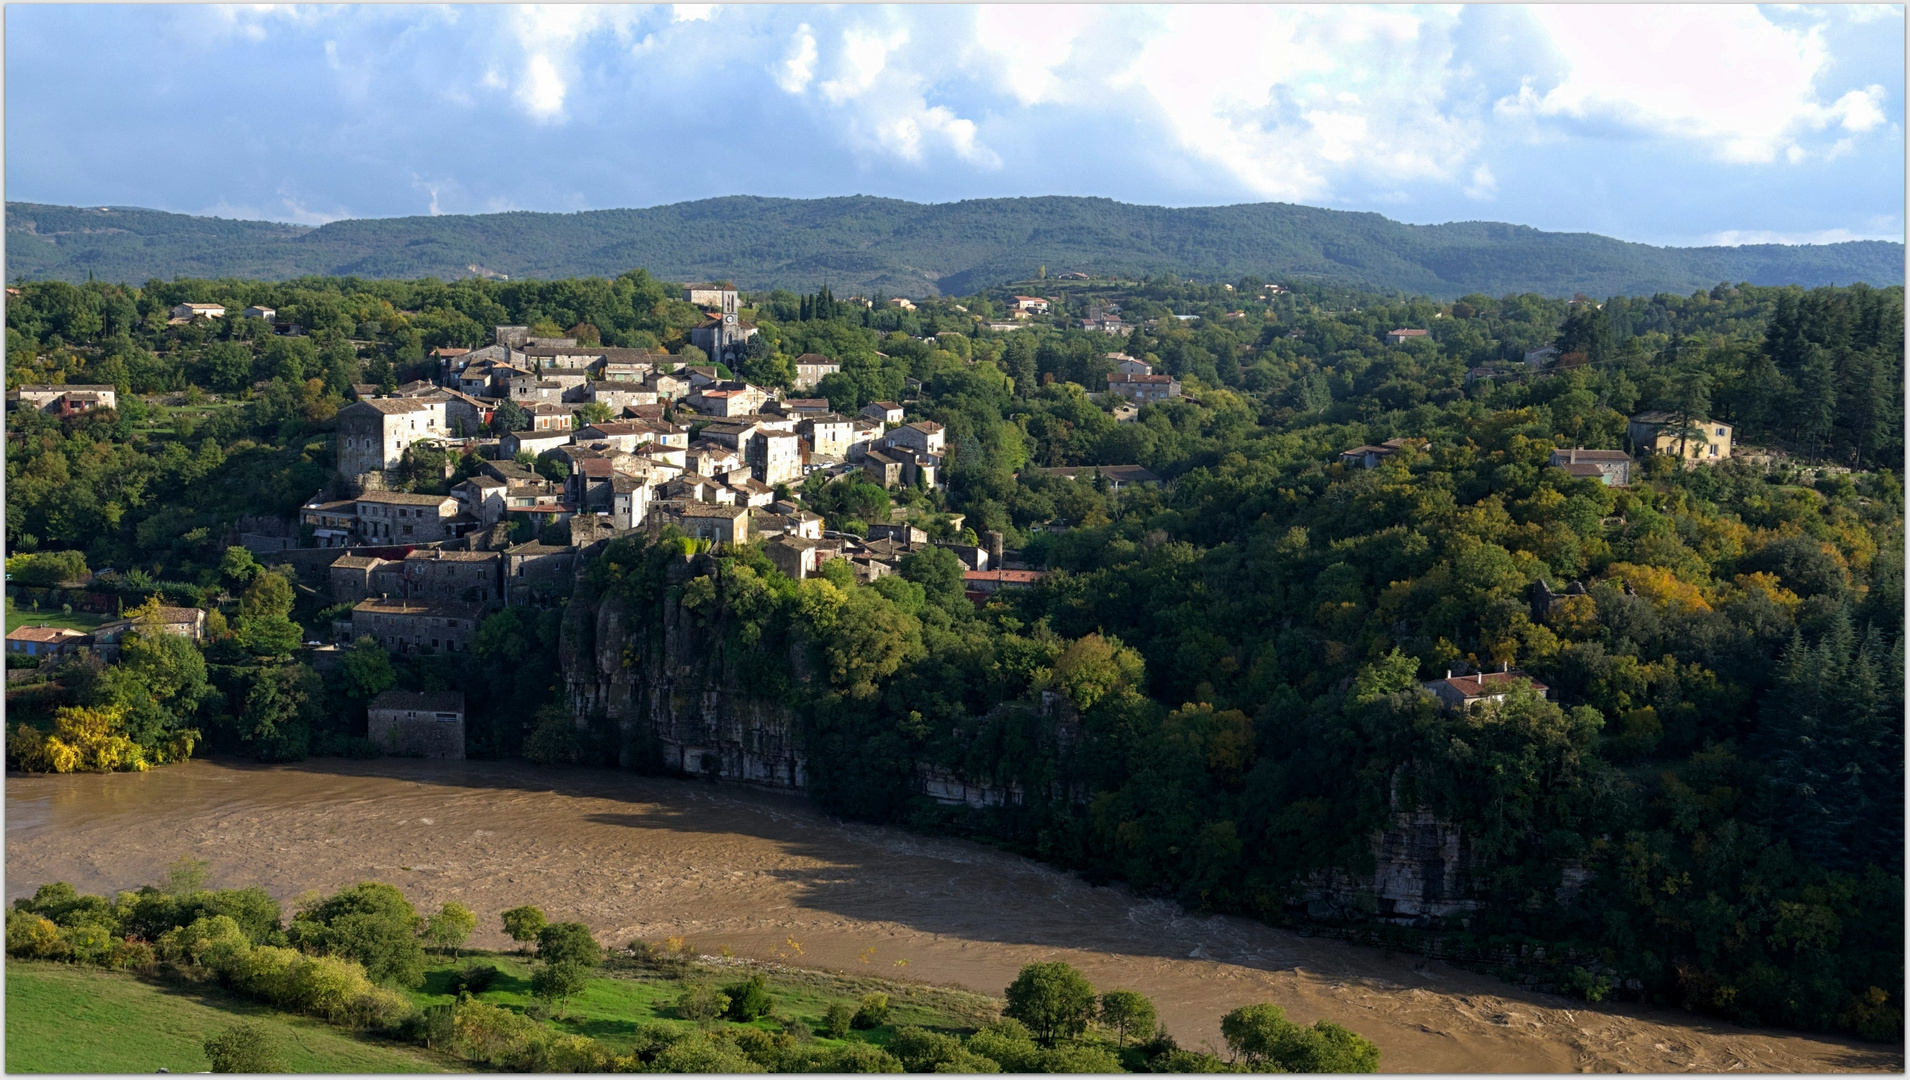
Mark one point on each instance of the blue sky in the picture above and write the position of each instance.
(1665, 124)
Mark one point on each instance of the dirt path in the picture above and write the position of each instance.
(768, 876)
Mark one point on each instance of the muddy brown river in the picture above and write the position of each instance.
(768, 876)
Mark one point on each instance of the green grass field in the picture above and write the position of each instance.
(67, 1019)
(79, 620)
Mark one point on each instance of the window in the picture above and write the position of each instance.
(1720, 433)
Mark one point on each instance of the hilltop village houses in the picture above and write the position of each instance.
(684, 446)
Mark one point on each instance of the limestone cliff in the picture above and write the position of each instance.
(666, 689)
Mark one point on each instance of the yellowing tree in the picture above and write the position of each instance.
(83, 740)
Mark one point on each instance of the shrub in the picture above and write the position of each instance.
(213, 942)
(748, 1000)
(839, 1018)
(246, 1048)
(702, 1003)
(451, 927)
(874, 1012)
(474, 979)
(131, 954)
(860, 1058)
(1266, 1041)
(1080, 1059)
(89, 942)
(495, 1036)
(1871, 1015)
(672, 959)
(920, 1050)
(1007, 1043)
(575, 1054)
(701, 1054)
(966, 1061)
(32, 936)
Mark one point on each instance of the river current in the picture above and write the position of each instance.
(768, 876)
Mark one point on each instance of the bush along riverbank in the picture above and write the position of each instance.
(365, 960)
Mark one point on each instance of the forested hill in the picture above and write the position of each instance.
(887, 245)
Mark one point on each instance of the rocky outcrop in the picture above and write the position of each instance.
(1419, 878)
(665, 687)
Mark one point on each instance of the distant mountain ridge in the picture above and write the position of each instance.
(868, 244)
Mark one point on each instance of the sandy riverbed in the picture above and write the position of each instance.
(765, 874)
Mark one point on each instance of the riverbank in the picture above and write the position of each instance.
(766, 875)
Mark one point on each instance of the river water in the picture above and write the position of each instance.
(769, 877)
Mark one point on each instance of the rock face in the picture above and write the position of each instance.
(666, 689)
(1418, 879)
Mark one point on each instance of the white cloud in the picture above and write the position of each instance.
(541, 91)
(1723, 76)
(1484, 185)
(1283, 98)
(1029, 41)
(692, 12)
(799, 67)
(864, 54)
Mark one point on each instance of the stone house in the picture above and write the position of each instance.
(405, 518)
(1396, 337)
(198, 311)
(348, 579)
(727, 399)
(534, 443)
(471, 577)
(811, 368)
(623, 435)
(1609, 467)
(45, 641)
(829, 434)
(1481, 688)
(69, 397)
(775, 457)
(406, 625)
(920, 437)
(988, 581)
(718, 296)
(373, 433)
(331, 522)
(617, 396)
(1657, 432)
(1116, 476)
(798, 557)
(1143, 388)
(481, 497)
(885, 412)
(727, 525)
(257, 311)
(884, 468)
(412, 724)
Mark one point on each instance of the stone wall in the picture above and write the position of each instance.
(420, 737)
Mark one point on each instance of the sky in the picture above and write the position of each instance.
(1691, 124)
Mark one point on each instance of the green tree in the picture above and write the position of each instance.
(372, 923)
(569, 943)
(558, 982)
(249, 1047)
(366, 671)
(510, 416)
(1127, 1013)
(238, 567)
(523, 924)
(185, 876)
(451, 927)
(940, 574)
(1053, 1000)
(1262, 1038)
